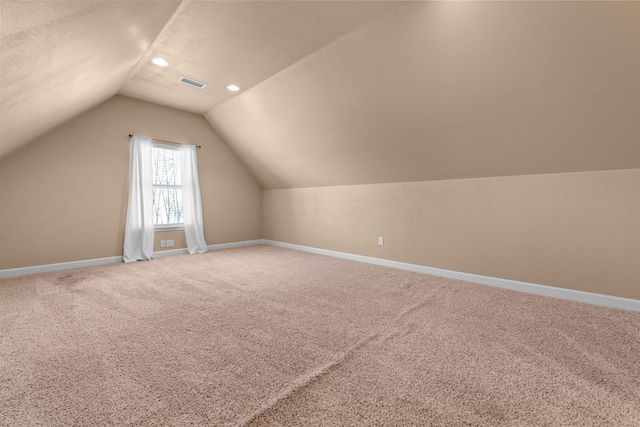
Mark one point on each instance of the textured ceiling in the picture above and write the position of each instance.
(338, 92)
(242, 43)
(60, 58)
(446, 90)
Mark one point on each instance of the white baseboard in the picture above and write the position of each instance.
(569, 294)
(170, 252)
(235, 244)
(21, 271)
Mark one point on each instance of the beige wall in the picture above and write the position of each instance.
(64, 197)
(177, 236)
(571, 230)
(418, 105)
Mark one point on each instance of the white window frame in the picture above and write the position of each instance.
(167, 227)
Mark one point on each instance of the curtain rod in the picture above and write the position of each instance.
(169, 142)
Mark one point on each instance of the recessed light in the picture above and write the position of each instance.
(233, 88)
(160, 62)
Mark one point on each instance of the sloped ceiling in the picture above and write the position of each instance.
(241, 43)
(337, 93)
(449, 90)
(60, 58)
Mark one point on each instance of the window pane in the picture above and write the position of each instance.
(167, 205)
(167, 166)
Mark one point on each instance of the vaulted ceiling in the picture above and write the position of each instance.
(336, 93)
(60, 58)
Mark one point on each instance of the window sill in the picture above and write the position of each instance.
(168, 227)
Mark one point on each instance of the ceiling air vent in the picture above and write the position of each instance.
(191, 82)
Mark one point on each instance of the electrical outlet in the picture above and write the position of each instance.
(170, 243)
(381, 241)
(163, 243)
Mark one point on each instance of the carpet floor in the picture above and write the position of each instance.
(265, 336)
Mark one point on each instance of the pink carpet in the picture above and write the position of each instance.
(268, 336)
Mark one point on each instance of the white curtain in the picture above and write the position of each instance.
(138, 232)
(192, 202)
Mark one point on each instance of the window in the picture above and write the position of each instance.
(167, 186)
